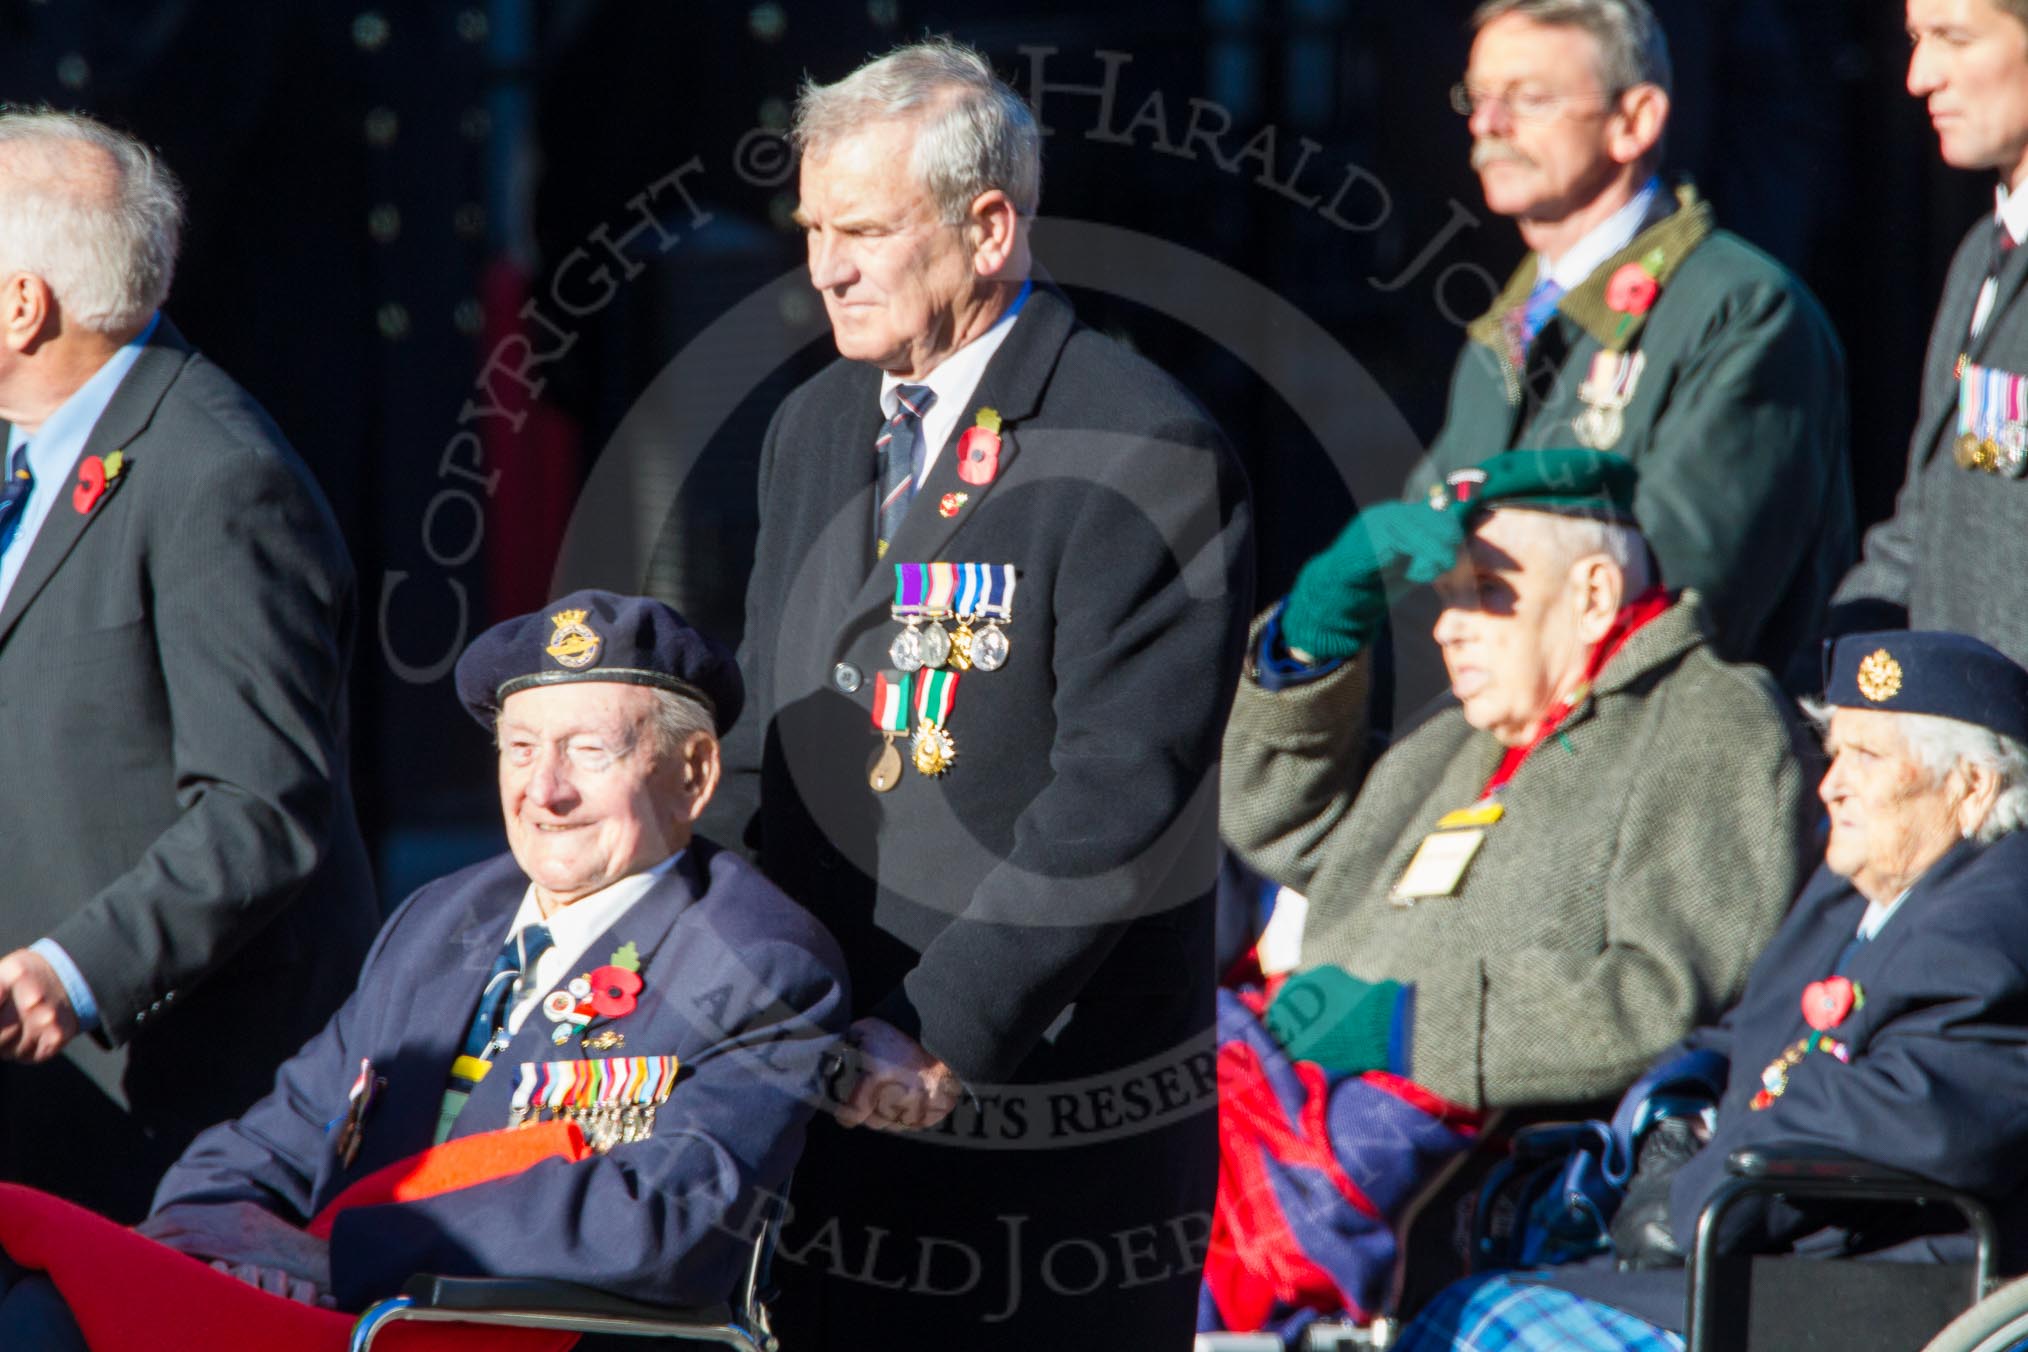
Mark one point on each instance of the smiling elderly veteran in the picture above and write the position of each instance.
(1884, 1021)
(1538, 890)
(613, 971)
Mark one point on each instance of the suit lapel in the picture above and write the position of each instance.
(131, 408)
(2013, 272)
(646, 924)
(1012, 384)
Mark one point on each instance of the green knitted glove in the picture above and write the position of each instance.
(1331, 1017)
(1340, 596)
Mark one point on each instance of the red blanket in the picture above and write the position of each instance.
(131, 1294)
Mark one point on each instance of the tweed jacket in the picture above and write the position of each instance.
(1647, 852)
(1958, 537)
(1737, 421)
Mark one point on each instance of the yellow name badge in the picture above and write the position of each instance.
(1439, 865)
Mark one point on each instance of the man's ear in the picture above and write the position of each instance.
(701, 767)
(993, 227)
(1598, 590)
(1636, 126)
(27, 311)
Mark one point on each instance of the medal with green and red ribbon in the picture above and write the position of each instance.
(893, 710)
(936, 692)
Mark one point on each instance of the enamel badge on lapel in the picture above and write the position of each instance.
(950, 503)
(604, 992)
(979, 449)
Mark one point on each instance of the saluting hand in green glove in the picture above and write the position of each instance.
(1340, 596)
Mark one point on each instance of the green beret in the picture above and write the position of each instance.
(1574, 482)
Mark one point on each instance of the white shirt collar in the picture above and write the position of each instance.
(2011, 210)
(571, 931)
(1607, 238)
(953, 379)
(1877, 915)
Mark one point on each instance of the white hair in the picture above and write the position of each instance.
(1581, 537)
(1939, 745)
(676, 719)
(103, 235)
(974, 133)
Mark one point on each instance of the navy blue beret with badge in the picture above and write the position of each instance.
(600, 636)
(1914, 671)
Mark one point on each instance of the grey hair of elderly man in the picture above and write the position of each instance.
(95, 214)
(976, 134)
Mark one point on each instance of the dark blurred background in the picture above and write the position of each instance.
(451, 247)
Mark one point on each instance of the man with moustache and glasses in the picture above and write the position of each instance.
(1635, 326)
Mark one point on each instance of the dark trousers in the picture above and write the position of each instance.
(33, 1316)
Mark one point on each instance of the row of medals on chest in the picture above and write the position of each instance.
(917, 696)
(1992, 420)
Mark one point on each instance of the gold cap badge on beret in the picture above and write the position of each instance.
(574, 644)
(1879, 676)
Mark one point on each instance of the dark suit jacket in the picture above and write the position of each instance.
(1935, 1085)
(743, 987)
(1953, 554)
(1938, 1077)
(173, 722)
(1040, 915)
(1066, 857)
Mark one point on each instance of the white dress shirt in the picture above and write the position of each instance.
(954, 379)
(2010, 210)
(571, 931)
(1607, 238)
(1877, 915)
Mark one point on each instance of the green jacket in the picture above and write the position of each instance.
(1647, 853)
(1737, 422)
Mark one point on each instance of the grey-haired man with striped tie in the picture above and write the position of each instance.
(1022, 884)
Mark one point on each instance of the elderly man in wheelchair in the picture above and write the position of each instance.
(592, 1058)
(1883, 1035)
(1520, 904)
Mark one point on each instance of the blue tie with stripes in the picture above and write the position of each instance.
(901, 456)
(14, 494)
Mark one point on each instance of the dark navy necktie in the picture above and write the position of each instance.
(14, 495)
(487, 1034)
(901, 456)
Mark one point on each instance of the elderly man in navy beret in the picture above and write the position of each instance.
(1883, 1021)
(613, 973)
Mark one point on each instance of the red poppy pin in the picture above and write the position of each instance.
(1827, 1002)
(1633, 288)
(93, 476)
(614, 990)
(979, 449)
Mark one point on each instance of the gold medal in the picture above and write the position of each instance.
(1989, 456)
(1968, 451)
(886, 769)
(934, 749)
(961, 647)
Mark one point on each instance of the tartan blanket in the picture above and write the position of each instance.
(1314, 1170)
(1502, 1314)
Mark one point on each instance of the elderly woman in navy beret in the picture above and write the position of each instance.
(1884, 1021)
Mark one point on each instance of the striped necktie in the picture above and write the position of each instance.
(487, 1034)
(1535, 314)
(901, 455)
(14, 495)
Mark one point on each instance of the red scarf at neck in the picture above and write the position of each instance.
(1632, 617)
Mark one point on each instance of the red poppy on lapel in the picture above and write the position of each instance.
(979, 449)
(613, 991)
(90, 486)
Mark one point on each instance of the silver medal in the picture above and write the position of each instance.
(906, 652)
(989, 648)
(2013, 457)
(936, 645)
